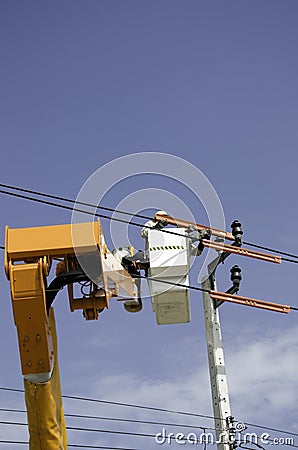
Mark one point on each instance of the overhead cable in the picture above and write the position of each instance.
(67, 200)
(90, 213)
(120, 419)
(98, 430)
(169, 437)
(127, 405)
(74, 445)
(105, 208)
(151, 408)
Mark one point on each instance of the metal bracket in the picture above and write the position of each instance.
(236, 279)
(225, 297)
(219, 246)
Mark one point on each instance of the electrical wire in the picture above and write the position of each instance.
(110, 218)
(270, 249)
(143, 422)
(105, 208)
(168, 437)
(146, 422)
(14, 442)
(99, 430)
(120, 419)
(121, 433)
(99, 446)
(150, 408)
(131, 405)
(195, 288)
(121, 220)
(249, 448)
(127, 405)
(94, 430)
(261, 438)
(93, 214)
(67, 200)
(9, 410)
(74, 445)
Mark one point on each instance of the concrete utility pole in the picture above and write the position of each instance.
(218, 378)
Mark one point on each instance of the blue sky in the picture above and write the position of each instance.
(215, 83)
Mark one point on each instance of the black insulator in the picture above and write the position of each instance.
(237, 230)
(236, 274)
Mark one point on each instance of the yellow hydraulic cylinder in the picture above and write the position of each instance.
(45, 413)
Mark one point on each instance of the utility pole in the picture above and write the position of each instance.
(225, 432)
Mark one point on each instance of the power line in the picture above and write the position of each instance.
(120, 220)
(270, 249)
(262, 438)
(120, 419)
(147, 422)
(14, 442)
(105, 208)
(131, 405)
(94, 430)
(22, 411)
(141, 422)
(292, 433)
(128, 405)
(151, 408)
(194, 288)
(121, 448)
(67, 200)
(99, 430)
(98, 446)
(169, 437)
(69, 208)
(121, 433)
(73, 445)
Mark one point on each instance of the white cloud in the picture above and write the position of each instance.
(262, 376)
(262, 370)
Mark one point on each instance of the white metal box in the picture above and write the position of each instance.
(169, 261)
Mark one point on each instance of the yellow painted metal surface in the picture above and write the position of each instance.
(55, 240)
(46, 422)
(30, 316)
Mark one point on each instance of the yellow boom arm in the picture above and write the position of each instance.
(29, 253)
